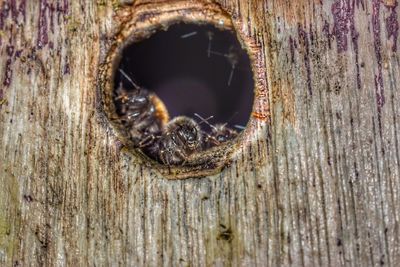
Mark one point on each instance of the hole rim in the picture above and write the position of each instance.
(141, 23)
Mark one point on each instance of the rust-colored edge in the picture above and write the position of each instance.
(141, 22)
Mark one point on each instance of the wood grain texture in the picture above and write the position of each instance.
(317, 186)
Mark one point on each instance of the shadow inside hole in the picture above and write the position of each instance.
(193, 69)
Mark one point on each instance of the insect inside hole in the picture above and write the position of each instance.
(146, 119)
(220, 133)
(180, 138)
(142, 113)
(172, 142)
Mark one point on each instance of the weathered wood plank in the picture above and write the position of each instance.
(318, 186)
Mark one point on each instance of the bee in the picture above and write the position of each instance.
(141, 112)
(220, 133)
(180, 138)
(170, 142)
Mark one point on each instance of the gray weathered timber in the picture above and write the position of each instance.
(319, 185)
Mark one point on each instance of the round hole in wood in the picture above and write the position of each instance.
(178, 88)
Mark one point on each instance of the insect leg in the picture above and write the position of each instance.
(181, 155)
(190, 34)
(148, 140)
(162, 157)
(231, 74)
(210, 37)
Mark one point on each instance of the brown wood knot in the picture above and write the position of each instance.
(225, 233)
(160, 133)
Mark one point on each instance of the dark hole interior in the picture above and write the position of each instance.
(193, 69)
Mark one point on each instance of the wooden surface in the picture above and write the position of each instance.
(317, 186)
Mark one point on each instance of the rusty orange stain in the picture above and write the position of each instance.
(261, 116)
